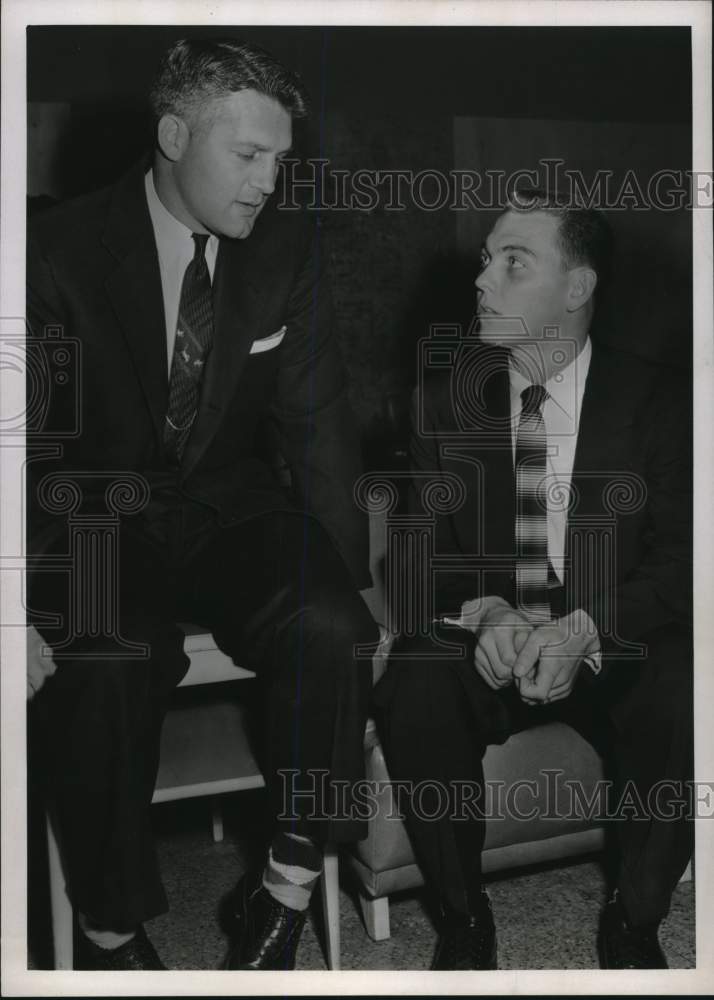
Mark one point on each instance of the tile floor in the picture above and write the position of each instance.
(546, 919)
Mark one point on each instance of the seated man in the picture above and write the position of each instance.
(201, 315)
(572, 597)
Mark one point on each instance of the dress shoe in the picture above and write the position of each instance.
(626, 947)
(467, 940)
(138, 954)
(268, 933)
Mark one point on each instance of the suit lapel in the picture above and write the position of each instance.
(237, 298)
(603, 450)
(486, 526)
(500, 502)
(134, 289)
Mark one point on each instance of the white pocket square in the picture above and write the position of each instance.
(268, 343)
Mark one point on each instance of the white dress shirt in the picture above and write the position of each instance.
(175, 246)
(561, 416)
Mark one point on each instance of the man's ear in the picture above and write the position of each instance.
(173, 136)
(581, 286)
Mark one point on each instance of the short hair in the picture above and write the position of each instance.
(195, 71)
(584, 234)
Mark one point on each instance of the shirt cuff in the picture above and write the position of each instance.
(581, 620)
(472, 612)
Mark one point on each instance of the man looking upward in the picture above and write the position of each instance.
(556, 431)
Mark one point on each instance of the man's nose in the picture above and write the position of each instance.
(483, 279)
(265, 176)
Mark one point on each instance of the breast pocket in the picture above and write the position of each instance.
(270, 343)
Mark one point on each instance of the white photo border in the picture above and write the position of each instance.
(16, 16)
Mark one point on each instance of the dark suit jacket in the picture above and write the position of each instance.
(93, 270)
(628, 538)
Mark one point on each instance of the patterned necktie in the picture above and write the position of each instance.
(532, 509)
(194, 335)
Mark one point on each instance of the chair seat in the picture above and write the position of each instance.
(208, 664)
(204, 746)
(205, 751)
(549, 756)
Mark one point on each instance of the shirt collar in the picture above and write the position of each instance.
(169, 232)
(565, 388)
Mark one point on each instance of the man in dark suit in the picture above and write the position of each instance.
(568, 589)
(202, 322)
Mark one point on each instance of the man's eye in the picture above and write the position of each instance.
(247, 156)
(515, 262)
(483, 262)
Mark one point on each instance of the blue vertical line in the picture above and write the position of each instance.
(311, 397)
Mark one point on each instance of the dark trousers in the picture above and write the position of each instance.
(438, 717)
(278, 599)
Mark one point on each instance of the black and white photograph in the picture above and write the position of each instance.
(357, 370)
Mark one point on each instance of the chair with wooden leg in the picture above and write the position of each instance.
(205, 752)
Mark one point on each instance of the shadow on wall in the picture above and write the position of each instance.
(74, 149)
(443, 295)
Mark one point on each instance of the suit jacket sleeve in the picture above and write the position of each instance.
(659, 590)
(316, 427)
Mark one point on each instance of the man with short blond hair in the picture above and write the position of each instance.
(204, 324)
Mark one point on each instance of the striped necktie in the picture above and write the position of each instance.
(532, 508)
(194, 335)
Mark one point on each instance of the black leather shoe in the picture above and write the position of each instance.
(268, 933)
(467, 941)
(137, 954)
(625, 947)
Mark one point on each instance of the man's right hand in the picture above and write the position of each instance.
(501, 637)
(502, 632)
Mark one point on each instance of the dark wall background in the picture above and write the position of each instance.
(388, 98)
(624, 74)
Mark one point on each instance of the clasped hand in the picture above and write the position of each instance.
(542, 661)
